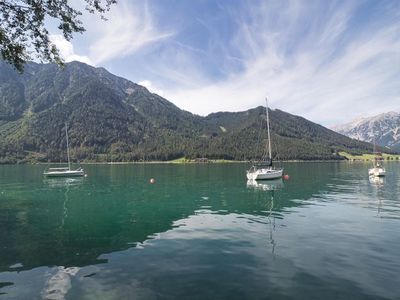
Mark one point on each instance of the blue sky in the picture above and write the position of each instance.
(328, 61)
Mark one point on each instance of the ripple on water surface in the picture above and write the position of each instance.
(200, 231)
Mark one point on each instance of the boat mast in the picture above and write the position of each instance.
(66, 133)
(269, 137)
(375, 154)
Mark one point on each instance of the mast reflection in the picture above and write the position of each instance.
(270, 187)
(379, 183)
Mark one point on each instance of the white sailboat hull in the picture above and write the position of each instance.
(65, 173)
(377, 172)
(264, 174)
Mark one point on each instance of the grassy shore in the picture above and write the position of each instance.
(368, 157)
(184, 160)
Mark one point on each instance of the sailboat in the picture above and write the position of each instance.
(265, 170)
(64, 171)
(378, 170)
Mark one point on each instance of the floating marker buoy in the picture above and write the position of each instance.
(286, 177)
(86, 175)
(152, 180)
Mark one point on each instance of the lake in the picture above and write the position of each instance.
(200, 232)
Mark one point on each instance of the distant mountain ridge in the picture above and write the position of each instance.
(113, 119)
(384, 128)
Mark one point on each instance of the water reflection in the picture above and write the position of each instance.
(269, 187)
(62, 182)
(378, 181)
(271, 222)
(266, 185)
(71, 221)
(75, 234)
(58, 285)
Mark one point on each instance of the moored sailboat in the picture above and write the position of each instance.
(378, 170)
(265, 170)
(64, 171)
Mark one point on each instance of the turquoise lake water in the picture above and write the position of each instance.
(200, 232)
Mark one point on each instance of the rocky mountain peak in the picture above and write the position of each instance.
(383, 128)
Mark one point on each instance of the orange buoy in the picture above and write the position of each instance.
(286, 177)
(152, 180)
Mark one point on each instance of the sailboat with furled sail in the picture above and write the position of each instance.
(378, 170)
(265, 170)
(64, 171)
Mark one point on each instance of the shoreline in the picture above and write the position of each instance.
(343, 157)
(193, 162)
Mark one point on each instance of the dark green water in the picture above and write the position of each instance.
(200, 232)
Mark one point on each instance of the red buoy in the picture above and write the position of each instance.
(286, 177)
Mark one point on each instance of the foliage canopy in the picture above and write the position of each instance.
(23, 27)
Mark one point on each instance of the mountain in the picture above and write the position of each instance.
(110, 118)
(384, 128)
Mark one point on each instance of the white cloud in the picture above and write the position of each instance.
(334, 73)
(67, 49)
(128, 28)
(148, 84)
(309, 59)
(58, 285)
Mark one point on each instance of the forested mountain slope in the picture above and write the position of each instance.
(113, 119)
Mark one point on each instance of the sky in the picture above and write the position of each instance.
(328, 61)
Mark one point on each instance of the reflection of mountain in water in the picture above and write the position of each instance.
(72, 224)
